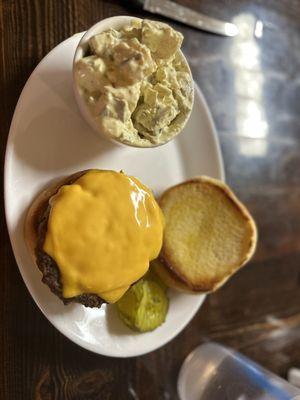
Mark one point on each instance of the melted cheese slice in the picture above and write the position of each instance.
(102, 232)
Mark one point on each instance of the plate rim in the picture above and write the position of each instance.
(9, 143)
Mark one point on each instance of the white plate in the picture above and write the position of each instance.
(48, 139)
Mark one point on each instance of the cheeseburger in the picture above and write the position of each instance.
(93, 235)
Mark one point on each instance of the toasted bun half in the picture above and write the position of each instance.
(209, 235)
(168, 277)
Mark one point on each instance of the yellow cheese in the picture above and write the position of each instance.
(114, 295)
(102, 232)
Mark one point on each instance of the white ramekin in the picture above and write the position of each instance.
(82, 48)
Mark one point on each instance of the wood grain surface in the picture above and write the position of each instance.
(252, 85)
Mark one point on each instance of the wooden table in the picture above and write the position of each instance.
(252, 85)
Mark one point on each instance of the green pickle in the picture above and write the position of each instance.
(145, 305)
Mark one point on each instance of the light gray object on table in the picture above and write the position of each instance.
(215, 372)
(187, 16)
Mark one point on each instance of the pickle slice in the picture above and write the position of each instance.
(144, 306)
